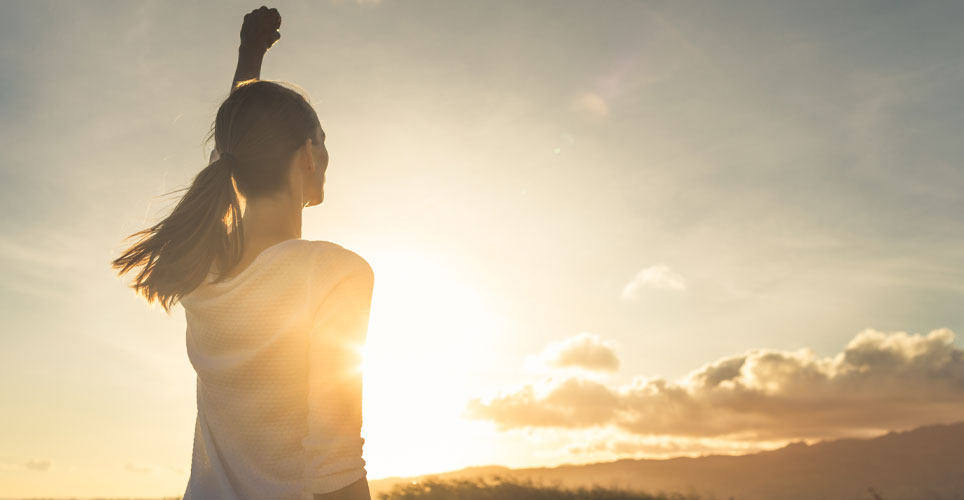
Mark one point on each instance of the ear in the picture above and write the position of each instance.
(310, 157)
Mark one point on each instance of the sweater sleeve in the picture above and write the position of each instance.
(333, 444)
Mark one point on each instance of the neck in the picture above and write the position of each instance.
(270, 220)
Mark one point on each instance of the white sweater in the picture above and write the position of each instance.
(278, 352)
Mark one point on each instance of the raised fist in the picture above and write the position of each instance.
(259, 31)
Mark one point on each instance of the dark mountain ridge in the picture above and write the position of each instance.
(922, 463)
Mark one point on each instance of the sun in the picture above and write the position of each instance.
(429, 336)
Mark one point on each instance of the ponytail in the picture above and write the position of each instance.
(203, 229)
(257, 131)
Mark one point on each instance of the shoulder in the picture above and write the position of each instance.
(335, 267)
(334, 261)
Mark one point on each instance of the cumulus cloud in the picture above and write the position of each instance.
(38, 464)
(657, 276)
(880, 381)
(557, 402)
(587, 351)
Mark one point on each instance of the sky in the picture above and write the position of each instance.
(599, 230)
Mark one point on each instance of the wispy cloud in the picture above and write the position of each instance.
(39, 464)
(657, 276)
(590, 104)
(614, 442)
(140, 468)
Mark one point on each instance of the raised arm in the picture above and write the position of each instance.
(259, 31)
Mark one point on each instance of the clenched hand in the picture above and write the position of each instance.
(259, 31)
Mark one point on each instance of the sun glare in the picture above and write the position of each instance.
(430, 334)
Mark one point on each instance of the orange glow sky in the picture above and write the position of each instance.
(599, 230)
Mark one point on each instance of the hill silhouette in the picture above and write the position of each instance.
(926, 462)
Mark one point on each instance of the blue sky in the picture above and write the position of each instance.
(676, 183)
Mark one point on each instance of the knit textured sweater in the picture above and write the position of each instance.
(278, 350)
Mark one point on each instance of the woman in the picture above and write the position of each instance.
(275, 323)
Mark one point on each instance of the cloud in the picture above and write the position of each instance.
(567, 402)
(880, 381)
(591, 104)
(585, 351)
(658, 276)
(140, 468)
(663, 446)
(597, 104)
(37, 464)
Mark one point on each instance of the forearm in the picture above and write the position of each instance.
(249, 65)
(359, 490)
